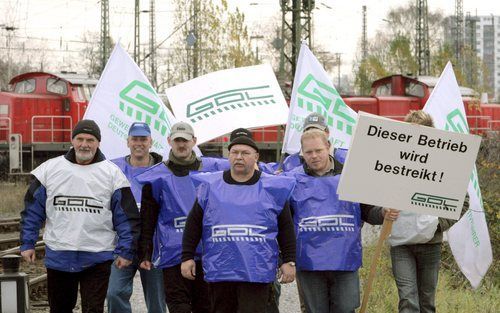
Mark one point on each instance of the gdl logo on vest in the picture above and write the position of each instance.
(238, 232)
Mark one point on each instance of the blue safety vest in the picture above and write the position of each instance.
(131, 172)
(176, 196)
(240, 225)
(328, 229)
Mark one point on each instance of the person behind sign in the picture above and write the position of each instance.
(416, 249)
(90, 219)
(328, 230)
(121, 280)
(167, 197)
(243, 219)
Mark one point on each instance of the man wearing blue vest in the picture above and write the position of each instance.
(313, 121)
(167, 197)
(121, 280)
(328, 230)
(90, 219)
(243, 219)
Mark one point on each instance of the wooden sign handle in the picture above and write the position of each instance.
(384, 234)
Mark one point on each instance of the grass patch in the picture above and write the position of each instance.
(454, 293)
(384, 295)
(12, 198)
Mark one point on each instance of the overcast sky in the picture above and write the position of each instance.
(337, 23)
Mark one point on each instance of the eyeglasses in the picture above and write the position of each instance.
(244, 154)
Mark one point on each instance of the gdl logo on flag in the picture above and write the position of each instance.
(137, 101)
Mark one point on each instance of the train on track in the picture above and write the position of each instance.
(40, 110)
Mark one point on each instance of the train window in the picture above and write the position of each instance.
(88, 89)
(80, 93)
(25, 86)
(56, 85)
(384, 90)
(413, 89)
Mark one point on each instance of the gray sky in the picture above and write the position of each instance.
(337, 29)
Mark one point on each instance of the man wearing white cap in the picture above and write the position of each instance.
(167, 198)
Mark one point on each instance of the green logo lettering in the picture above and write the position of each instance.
(137, 100)
(316, 96)
(456, 122)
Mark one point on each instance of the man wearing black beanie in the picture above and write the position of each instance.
(243, 218)
(91, 219)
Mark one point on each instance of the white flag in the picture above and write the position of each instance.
(468, 238)
(217, 103)
(124, 95)
(314, 92)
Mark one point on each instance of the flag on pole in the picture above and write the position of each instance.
(124, 95)
(217, 103)
(468, 238)
(313, 91)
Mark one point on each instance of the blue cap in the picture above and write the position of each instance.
(139, 129)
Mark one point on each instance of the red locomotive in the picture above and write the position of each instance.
(394, 96)
(37, 116)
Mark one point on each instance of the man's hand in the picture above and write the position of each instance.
(122, 262)
(29, 255)
(188, 269)
(287, 273)
(390, 214)
(146, 265)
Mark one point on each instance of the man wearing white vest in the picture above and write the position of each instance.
(90, 218)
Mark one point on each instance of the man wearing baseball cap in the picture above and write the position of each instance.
(242, 217)
(167, 198)
(121, 280)
(312, 121)
(90, 219)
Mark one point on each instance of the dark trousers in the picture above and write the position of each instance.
(184, 295)
(63, 288)
(241, 297)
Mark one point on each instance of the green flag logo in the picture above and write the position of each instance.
(137, 101)
(456, 122)
(229, 100)
(316, 96)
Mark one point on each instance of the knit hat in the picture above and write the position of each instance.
(242, 136)
(87, 127)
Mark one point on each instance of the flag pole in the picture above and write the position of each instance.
(384, 234)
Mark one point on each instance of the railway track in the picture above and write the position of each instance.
(36, 271)
(39, 250)
(38, 288)
(9, 243)
(9, 225)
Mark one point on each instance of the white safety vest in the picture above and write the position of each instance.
(78, 203)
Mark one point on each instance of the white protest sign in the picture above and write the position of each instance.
(408, 167)
(217, 103)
